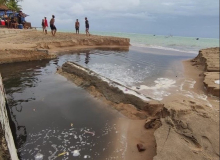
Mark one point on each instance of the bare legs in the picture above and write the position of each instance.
(53, 32)
(87, 31)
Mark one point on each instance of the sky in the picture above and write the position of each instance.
(188, 18)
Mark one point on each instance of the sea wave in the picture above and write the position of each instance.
(164, 48)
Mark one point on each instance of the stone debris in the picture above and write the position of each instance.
(141, 147)
(152, 123)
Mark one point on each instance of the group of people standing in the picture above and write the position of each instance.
(52, 26)
(54, 29)
(77, 25)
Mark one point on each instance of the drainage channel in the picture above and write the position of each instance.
(54, 119)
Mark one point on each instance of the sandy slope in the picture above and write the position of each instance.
(191, 131)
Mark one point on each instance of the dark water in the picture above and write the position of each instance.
(51, 115)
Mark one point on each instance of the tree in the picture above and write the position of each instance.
(13, 5)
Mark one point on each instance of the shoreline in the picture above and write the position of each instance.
(182, 124)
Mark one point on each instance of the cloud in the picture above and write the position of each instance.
(66, 11)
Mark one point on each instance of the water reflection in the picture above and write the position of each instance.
(50, 115)
(87, 58)
(16, 80)
(19, 132)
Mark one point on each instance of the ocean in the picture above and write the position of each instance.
(164, 42)
(169, 42)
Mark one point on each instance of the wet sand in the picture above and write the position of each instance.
(192, 129)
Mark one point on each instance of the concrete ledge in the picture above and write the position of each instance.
(5, 124)
(114, 91)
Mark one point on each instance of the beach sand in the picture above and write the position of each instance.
(190, 128)
(26, 45)
(191, 131)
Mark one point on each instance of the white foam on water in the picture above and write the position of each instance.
(39, 156)
(122, 73)
(192, 84)
(163, 48)
(76, 153)
(192, 94)
(78, 139)
(217, 82)
(159, 90)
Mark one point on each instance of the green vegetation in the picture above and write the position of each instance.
(11, 4)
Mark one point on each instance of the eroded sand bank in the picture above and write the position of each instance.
(26, 45)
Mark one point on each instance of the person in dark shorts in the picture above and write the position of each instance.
(42, 24)
(87, 26)
(20, 15)
(77, 26)
(52, 26)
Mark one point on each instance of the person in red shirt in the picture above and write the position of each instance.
(45, 24)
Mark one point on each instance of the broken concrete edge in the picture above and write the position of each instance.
(117, 93)
(5, 123)
(4, 153)
(113, 91)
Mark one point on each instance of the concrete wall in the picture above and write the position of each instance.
(5, 123)
(113, 91)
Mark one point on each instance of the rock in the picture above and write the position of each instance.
(152, 123)
(141, 147)
(183, 125)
